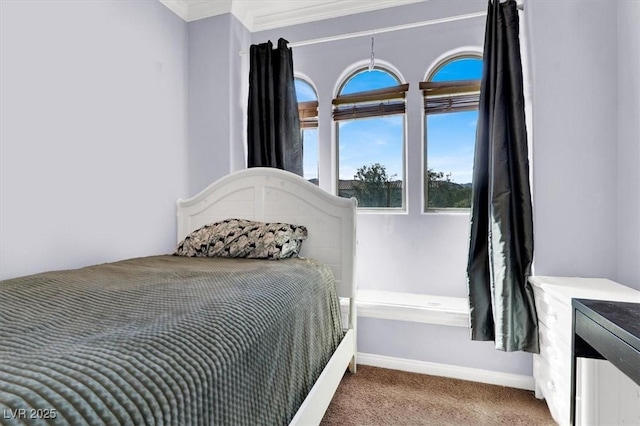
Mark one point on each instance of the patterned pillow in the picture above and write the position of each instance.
(244, 238)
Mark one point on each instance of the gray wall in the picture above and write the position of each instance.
(575, 104)
(586, 146)
(217, 96)
(412, 252)
(94, 138)
(629, 143)
(91, 122)
(585, 152)
(209, 128)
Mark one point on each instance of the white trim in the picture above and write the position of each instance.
(388, 29)
(179, 7)
(193, 10)
(349, 72)
(280, 13)
(460, 52)
(517, 381)
(206, 8)
(441, 310)
(397, 211)
(302, 76)
(362, 64)
(318, 12)
(371, 33)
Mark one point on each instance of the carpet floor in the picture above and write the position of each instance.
(380, 397)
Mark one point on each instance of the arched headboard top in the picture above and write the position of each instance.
(273, 195)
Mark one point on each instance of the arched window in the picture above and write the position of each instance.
(308, 110)
(451, 95)
(369, 112)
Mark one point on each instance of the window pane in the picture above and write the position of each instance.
(450, 141)
(371, 160)
(371, 150)
(368, 80)
(450, 149)
(310, 155)
(304, 91)
(460, 69)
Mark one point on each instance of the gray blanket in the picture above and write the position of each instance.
(166, 340)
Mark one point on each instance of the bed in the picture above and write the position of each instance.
(191, 340)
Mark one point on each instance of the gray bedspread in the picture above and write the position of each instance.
(166, 340)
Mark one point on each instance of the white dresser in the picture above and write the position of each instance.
(552, 367)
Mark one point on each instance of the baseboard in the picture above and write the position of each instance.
(445, 370)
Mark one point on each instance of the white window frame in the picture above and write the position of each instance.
(474, 52)
(341, 81)
(307, 80)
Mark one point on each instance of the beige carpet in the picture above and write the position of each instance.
(376, 396)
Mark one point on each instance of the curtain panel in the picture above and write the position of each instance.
(273, 127)
(501, 237)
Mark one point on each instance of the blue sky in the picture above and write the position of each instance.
(304, 91)
(450, 137)
(372, 140)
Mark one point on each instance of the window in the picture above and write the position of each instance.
(369, 113)
(308, 110)
(451, 96)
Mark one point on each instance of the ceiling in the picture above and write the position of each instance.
(258, 15)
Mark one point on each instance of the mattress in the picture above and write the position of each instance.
(166, 340)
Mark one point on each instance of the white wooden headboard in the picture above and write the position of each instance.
(273, 195)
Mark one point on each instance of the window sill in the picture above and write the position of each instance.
(441, 310)
(457, 212)
(391, 211)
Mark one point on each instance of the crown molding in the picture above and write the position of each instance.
(265, 15)
(320, 10)
(193, 10)
(179, 7)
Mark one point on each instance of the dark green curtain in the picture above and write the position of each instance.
(273, 128)
(501, 240)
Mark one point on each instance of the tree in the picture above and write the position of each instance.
(374, 188)
(443, 193)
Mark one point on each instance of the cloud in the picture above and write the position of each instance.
(460, 166)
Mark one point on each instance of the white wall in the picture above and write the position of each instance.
(93, 132)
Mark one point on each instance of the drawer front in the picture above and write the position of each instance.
(554, 350)
(553, 314)
(553, 388)
(546, 314)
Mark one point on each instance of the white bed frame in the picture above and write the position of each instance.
(273, 195)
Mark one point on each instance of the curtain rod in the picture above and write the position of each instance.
(382, 30)
(520, 5)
